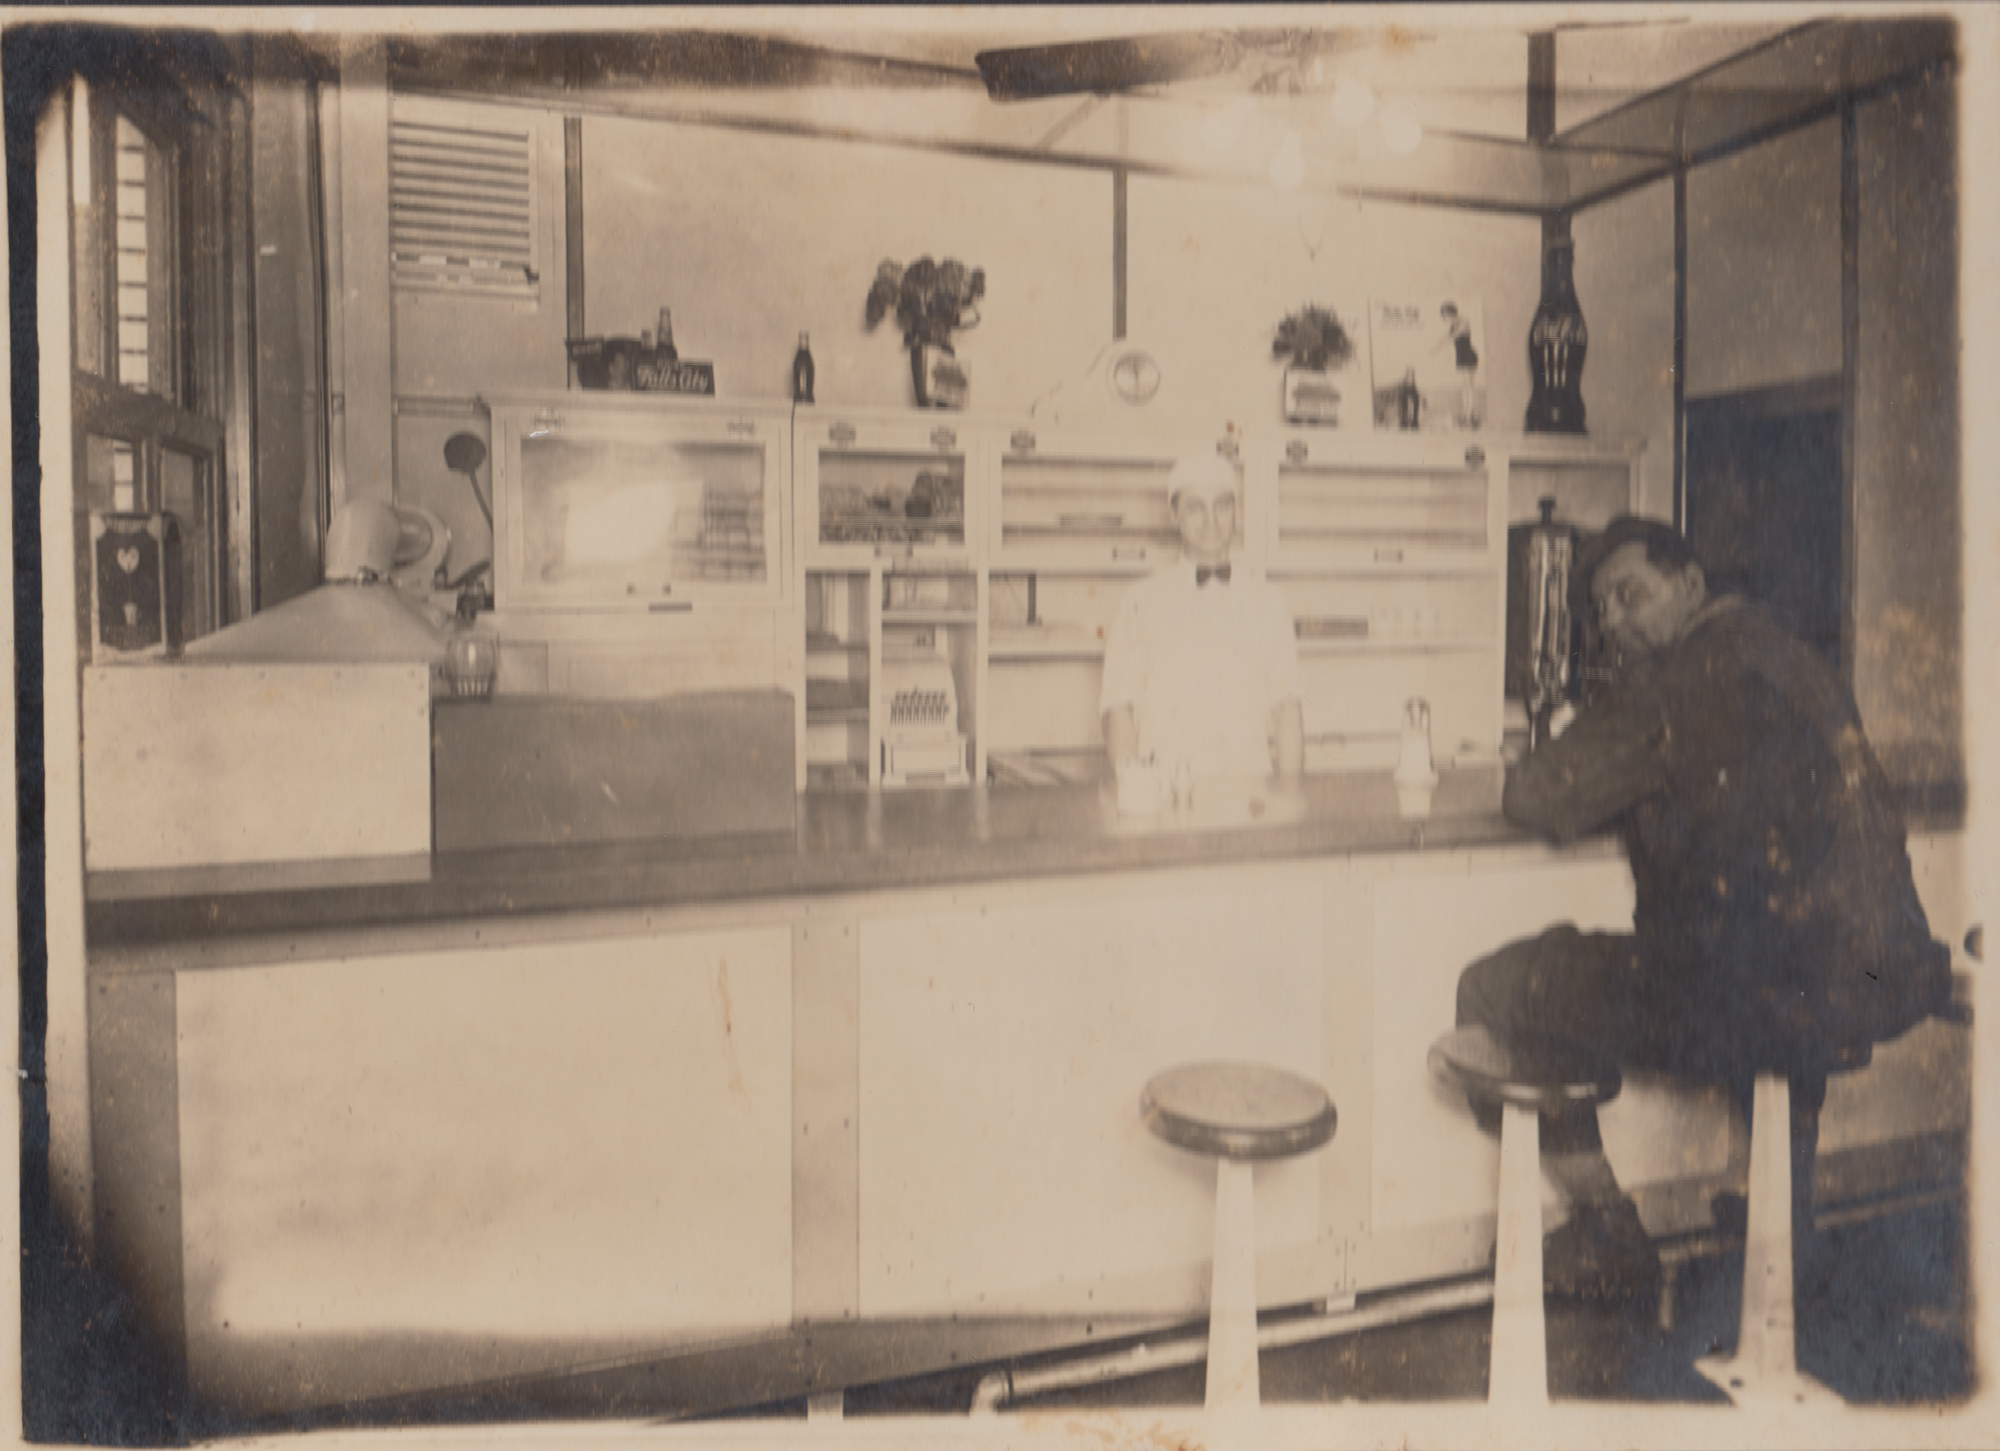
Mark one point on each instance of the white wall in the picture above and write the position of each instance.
(753, 239)
(1908, 584)
(1764, 264)
(1625, 285)
(1215, 267)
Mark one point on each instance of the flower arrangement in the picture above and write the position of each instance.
(930, 299)
(1313, 338)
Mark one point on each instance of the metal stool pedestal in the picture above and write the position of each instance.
(1525, 1079)
(1239, 1113)
(1764, 1368)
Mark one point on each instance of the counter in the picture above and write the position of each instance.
(845, 841)
(550, 1108)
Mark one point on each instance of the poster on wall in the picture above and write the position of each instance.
(1429, 367)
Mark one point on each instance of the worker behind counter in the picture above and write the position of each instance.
(1201, 667)
(1776, 921)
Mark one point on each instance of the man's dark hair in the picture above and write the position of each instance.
(1666, 547)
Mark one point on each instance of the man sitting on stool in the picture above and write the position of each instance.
(1777, 922)
(1201, 666)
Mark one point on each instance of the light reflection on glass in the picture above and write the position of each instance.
(622, 525)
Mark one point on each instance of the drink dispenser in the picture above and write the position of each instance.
(1543, 638)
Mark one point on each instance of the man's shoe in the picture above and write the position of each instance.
(1730, 1213)
(1603, 1253)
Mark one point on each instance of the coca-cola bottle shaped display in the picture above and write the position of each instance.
(1557, 342)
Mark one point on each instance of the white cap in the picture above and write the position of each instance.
(1209, 473)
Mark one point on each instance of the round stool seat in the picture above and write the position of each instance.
(1238, 1110)
(1546, 1072)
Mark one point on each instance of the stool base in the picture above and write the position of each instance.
(1747, 1386)
(1232, 1299)
(1764, 1370)
(1518, 1375)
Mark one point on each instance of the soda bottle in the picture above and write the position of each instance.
(802, 372)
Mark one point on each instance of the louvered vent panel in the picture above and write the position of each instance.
(462, 207)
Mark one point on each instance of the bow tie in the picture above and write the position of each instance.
(1203, 573)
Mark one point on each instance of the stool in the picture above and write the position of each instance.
(1528, 1078)
(1238, 1113)
(1764, 1366)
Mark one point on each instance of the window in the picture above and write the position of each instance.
(144, 265)
(149, 191)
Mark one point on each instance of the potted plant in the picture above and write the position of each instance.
(1318, 345)
(930, 300)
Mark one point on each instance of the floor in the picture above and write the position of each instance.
(1888, 1327)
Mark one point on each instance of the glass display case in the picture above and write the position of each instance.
(1392, 556)
(841, 648)
(1096, 504)
(637, 505)
(1422, 505)
(883, 489)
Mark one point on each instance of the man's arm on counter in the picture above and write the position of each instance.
(1613, 756)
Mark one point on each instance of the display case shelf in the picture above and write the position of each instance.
(829, 645)
(929, 617)
(1088, 502)
(1043, 642)
(1407, 645)
(836, 700)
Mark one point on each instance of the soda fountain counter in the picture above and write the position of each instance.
(554, 1108)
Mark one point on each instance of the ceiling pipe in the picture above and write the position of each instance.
(1542, 115)
(1542, 87)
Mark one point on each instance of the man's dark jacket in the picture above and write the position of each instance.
(1773, 881)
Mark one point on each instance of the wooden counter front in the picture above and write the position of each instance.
(552, 1109)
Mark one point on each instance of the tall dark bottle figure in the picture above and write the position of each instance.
(1557, 341)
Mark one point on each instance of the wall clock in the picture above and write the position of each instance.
(1131, 374)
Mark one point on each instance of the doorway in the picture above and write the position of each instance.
(1766, 505)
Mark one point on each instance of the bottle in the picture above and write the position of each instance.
(802, 371)
(1557, 341)
(1409, 403)
(665, 338)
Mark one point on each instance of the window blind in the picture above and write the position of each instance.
(462, 204)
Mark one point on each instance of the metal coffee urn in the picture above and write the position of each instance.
(1544, 644)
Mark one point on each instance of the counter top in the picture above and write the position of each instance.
(843, 842)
